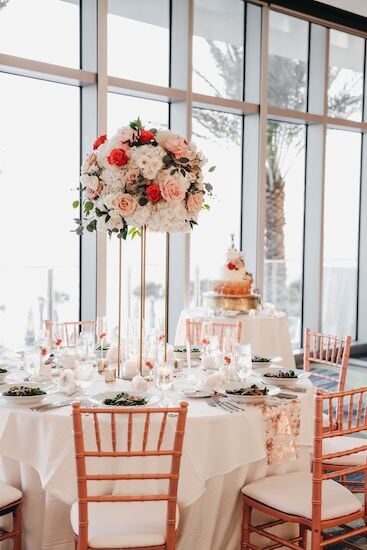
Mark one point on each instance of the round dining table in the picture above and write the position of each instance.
(222, 452)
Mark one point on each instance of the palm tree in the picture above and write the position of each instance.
(287, 89)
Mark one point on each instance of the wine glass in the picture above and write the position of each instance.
(32, 364)
(163, 377)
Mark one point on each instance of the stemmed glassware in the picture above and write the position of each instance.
(163, 378)
(243, 360)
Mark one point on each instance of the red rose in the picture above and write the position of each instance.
(58, 342)
(231, 266)
(43, 352)
(117, 157)
(227, 360)
(153, 193)
(146, 136)
(99, 141)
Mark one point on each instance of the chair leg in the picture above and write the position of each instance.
(17, 527)
(316, 539)
(246, 526)
(303, 534)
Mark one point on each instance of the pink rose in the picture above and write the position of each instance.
(94, 193)
(174, 143)
(194, 203)
(127, 204)
(89, 161)
(171, 189)
(129, 179)
(126, 134)
(184, 153)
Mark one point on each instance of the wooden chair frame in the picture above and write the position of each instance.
(316, 525)
(69, 331)
(216, 328)
(14, 508)
(325, 350)
(81, 541)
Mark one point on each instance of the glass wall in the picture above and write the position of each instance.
(277, 178)
(220, 136)
(284, 221)
(341, 226)
(39, 160)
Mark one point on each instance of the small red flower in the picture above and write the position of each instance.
(231, 266)
(118, 157)
(99, 141)
(146, 136)
(101, 336)
(206, 341)
(153, 193)
(227, 359)
(149, 365)
(161, 337)
(43, 352)
(58, 342)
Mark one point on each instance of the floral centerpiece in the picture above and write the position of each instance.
(140, 177)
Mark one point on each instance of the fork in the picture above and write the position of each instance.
(213, 402)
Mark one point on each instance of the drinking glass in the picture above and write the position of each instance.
(84, 374)
(32, 364)
(163, 377)
(243, 360)
(228, 342)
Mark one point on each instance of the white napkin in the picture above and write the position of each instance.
(43, 375)
(213, 381)
(139, 384)
(67, 383)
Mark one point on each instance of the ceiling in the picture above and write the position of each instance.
(354, 6)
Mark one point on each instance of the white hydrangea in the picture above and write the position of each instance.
(113, 179)
(141, 215)
(148, 159)
(170, 217)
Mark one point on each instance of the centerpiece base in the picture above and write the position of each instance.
(221, 302)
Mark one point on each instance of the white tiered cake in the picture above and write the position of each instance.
(235, 280)
(232, 291)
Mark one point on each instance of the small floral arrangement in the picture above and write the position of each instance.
(236, 264)
(142, 177)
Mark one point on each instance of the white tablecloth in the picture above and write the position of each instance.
(268, 335)
(222, 451)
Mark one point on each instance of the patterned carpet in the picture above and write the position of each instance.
(357, 377)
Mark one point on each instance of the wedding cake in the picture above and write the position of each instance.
(234, 279)
(232, 290)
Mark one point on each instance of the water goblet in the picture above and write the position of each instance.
(163, 377)
(243, 360)
(84, 374)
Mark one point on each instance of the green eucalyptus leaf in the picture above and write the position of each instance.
(75, 204)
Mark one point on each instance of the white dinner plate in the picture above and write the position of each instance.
(254, 399)
(100, 397)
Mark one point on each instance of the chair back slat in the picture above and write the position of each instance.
(215, 328)
(161, 431)
(327, 351)
(193, 331)
(114, 420)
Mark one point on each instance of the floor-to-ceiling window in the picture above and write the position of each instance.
(276, 103)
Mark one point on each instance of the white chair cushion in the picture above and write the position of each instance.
(124, 524)
(337, 444)
(292, 494)
(8, 494)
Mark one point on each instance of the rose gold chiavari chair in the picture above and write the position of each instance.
(327, 351)
(356, 414)
(314, 501)
(68, 331)
(120, 521)
(11, 503)
(193, 331)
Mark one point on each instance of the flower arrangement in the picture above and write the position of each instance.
(142, 177)
(236, 264)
